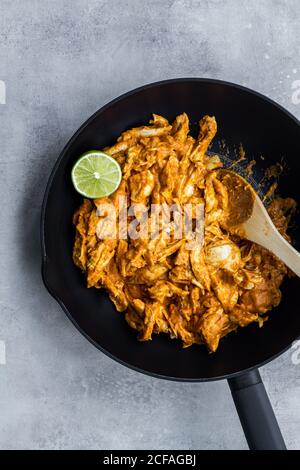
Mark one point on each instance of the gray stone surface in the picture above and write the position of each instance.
(61, 61)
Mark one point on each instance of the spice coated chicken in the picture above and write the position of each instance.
(197, 294)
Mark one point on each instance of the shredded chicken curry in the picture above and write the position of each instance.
(197, 295)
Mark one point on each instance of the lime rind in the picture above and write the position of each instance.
(108, 172)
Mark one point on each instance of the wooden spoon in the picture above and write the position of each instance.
(247, 212)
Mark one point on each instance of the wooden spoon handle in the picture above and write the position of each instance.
(278, 245)
(286, 252)
(260, 229)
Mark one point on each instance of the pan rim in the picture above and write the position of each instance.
(43, 217)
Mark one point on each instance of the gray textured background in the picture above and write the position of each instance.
(61, 61)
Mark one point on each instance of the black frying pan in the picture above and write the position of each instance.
(265, 129)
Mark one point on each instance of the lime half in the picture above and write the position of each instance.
(96, 174)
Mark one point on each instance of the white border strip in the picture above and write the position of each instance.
(2, 353)
(2, 92)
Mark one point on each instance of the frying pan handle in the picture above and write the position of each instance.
(255, 412)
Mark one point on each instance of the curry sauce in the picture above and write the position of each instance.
(198, 295)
